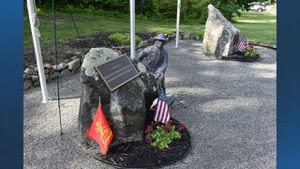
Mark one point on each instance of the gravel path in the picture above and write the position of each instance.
(229, 108)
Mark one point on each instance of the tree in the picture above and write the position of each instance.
(160, 9)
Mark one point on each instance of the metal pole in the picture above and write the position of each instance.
(132, 29)
(37, 49)
(177, 22)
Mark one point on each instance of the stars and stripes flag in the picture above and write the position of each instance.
(162, 110)
(243, 44)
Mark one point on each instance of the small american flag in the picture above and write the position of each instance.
(162, 111)
(243, 44)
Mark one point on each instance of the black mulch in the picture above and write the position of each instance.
(239, 56)
(83, 44)
(142, 155)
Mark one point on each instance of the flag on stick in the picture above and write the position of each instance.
(243, 44)
(162, 110)
(100, 130)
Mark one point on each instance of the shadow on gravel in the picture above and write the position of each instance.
(227, 106)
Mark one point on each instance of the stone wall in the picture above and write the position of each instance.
(64, 68)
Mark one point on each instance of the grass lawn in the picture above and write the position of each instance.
(258, 27)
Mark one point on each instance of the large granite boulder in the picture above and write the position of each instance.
(220, 36)
(125, 108)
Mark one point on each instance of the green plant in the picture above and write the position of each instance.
(200, 33)
(251, 52)
(123, 38)
(163, 136)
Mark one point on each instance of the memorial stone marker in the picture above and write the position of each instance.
(220, 36)
(126, 98)
(117, 72)
(124, 107)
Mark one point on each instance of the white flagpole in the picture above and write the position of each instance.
(177, 22)
(37, 49)
(132, 29)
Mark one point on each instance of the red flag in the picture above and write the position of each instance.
(100, 130)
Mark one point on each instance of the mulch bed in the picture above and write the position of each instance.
(142, 155)
(238, 56)
(83, 44)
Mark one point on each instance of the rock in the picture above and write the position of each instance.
(74, 57)
(48, 69)
(26, 76)
(29, 71)
(74, 65)
(173, 36)
(186, 36)
(51, 71)
(118, 51)
(124, 49)
(220, 36)
(27, 84)
(192, 36)
(36, 83)
(124, 108)
(181, 35)
(60, 66)
(32, 66)
(34, 78)
(55, 67)
(36, 71)
(66, 60)
(48, 66)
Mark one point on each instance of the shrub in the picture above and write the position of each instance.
(164, 10)
(161, 138)
(200, 34)
(123, 38)
(160, 135)
(251, 52)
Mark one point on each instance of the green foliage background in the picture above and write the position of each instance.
(150, 9)
(124, 38)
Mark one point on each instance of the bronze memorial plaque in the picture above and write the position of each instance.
(117, 72)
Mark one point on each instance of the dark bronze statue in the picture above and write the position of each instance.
(155, 59)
